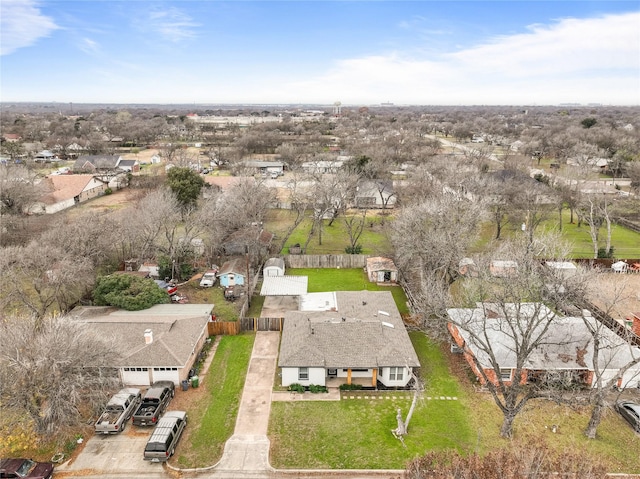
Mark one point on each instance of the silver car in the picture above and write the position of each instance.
(630, 411)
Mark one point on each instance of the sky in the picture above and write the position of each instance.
(319, 52)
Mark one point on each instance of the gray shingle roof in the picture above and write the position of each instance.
(366, 331)
(176, 330)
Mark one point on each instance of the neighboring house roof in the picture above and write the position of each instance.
(235, 266)
(284, 285)
(98, 162)
(567, 345)
(176, 329)
(366, 331)
(263, 164)
(379, 263)
(64, 187)
(127, 163)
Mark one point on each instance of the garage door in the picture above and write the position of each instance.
(166, 374)
(135, 376)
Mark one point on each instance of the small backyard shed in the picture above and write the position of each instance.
(381, 270)
(273, 267)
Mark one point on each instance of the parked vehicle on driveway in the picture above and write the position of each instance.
(25, 468)
(630, 411)
(118, 411)
(154, 403)
(164, 438)
(208, 279)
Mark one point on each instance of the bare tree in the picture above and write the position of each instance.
(354, 224)
(54, 367)
(40, 279)
(18, 189)
(533, 461)
(503, 324)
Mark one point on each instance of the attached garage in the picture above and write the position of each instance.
(136, 376)
(166, 374)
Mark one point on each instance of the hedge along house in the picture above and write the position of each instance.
(156, 344)
(565, 354)
(346, 337)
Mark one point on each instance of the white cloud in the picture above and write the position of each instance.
(572, 60)
(89, 46)
(172, 23)
(22, 24)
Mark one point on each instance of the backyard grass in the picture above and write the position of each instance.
(352, 433)
(328, 279)
(212, 419)
(335, 238)
(224, 310)
(626, 242)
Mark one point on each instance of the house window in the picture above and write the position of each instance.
(303, 374)
(505, 374)
(396, 374)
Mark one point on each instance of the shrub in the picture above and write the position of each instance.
(350, 387)
(315, 388)
(295, 387)
(108, 191)
(357, 249)
(602, 253)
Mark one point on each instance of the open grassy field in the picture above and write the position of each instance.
(326, 279)
(626, 242)
(335, 238)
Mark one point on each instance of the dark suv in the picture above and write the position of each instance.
(25, 468)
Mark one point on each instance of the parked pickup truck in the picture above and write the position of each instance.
(154, 403)
(118, 411)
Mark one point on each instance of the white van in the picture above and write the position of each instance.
(164, 438)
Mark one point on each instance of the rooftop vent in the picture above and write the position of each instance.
(148, 336)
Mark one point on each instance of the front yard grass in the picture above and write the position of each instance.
(356, 433)
(212, 420)
(329, 279)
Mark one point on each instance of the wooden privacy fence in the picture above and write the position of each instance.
(231, 328)
(224, 328)
(325, 260)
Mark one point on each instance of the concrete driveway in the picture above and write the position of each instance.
(118, 454)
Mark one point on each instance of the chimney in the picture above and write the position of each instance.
(148, 336)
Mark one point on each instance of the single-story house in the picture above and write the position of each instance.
(566, 354)
(264, 167)
(273, 267)
(346, 337)
(375, 194)
(159, 343)
(130, 166)
(381, 270)
(65, 191)
(45, 156)
(322, 166)
(97, 163)
(233, 272)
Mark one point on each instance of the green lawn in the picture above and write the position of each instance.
(212, 420)
(329, 279)
(626, 242)
(335, 237)
(352, 433)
